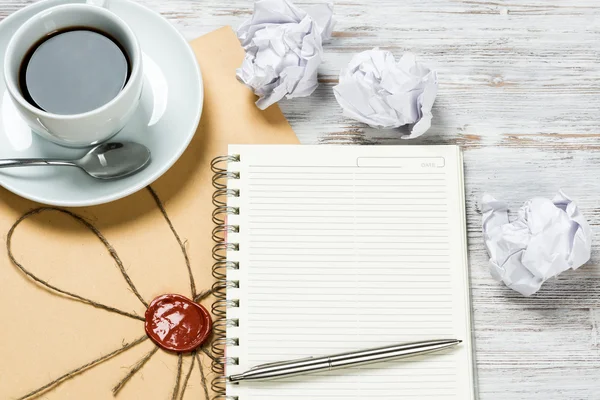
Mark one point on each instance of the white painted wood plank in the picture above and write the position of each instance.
(520, 91)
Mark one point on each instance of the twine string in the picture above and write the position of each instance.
(138, 366)
(187, 377)
(213, 358)
(203, 378)
(83, 368)
(178, 379)
(40, 281)
(203, 295)
(163, 211)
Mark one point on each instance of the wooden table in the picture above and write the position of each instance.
(520, 92)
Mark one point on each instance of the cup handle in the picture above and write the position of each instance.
(99, 3)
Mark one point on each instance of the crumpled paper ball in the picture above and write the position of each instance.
(284, 49)
(383, 93)
(547, 238)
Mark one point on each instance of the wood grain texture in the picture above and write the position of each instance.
(520, 92)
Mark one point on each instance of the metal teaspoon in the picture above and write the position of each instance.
(105, 161)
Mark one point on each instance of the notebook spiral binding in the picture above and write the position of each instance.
(219, 167)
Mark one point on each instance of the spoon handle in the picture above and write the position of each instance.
(29, 162)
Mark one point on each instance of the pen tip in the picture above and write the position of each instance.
(459, 341)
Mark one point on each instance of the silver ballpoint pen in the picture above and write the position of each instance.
(310, 365)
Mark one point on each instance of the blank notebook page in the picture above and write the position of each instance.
(344, 248)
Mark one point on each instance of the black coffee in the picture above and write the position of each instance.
(74, 71)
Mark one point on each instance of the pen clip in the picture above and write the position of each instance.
(280, 363)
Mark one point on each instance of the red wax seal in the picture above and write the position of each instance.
(176, 323)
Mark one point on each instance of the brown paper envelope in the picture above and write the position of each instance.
(44, 335)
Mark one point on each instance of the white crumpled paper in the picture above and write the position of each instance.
(546, 239)
(383, 93)
(284, 49)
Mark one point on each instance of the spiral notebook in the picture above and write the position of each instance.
(326, 249)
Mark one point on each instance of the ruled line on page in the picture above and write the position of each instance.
(332, 222)
(441, 288)
(320, 261)
(296, 320)
(328, 245)
(319, 190)
(372, 187)
(253, 169)
(352, 201)
(263, 277)
(399, 314)
(326, 228)
(343, 209)
(334, 167)
(345, 245)
(341, 234)
(330, 214)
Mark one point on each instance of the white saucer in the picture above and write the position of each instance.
(166, 121)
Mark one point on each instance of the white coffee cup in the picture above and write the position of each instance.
(86, 129)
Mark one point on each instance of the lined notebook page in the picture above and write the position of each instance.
(345, 248)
